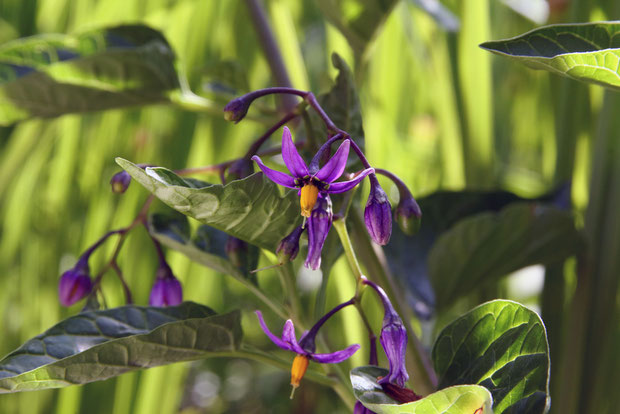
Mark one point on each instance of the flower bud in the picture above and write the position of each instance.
(378, 213)
(408, 215)
(239, 169)
(289, 246)
(167, 290)
(319, 223)
(237, 252)
(393, 339)
(120, 182)
(236, 109)
(74, 284)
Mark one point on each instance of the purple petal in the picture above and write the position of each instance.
(288, 336)
(319, 223)
(394, 341)
(343, 186)
(335, 357)
(275, 176)
(280, 343)
(378, 214)
(334, 168)
(292, 159)
(74, 285)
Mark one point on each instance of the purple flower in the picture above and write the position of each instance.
(75, 283)
(305, 348)
(319, 223)
(393, 339)
(289, 246)
(378, 213)
(167, 290)
(312, 181)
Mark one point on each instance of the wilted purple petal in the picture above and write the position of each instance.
(335, 357)
(378, 214)
(279, 342)
(74, 285)
(288, 336)
(319, 223)
(333, 169)
(291, 157)
(166, 292)
(344, 186)
(275, 176)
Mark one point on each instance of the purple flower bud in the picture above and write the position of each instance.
(360, 409)
(237, 251)
(75, 283)
(408, 215)
(240, 169)
(393, 339)
(319, 223)
(289, 246)
(378, 213)
(167, 290)
(236, 109)
(120, 182)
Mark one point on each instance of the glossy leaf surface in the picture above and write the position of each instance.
(501, 345)
(97, 345)
(464, 399)
(250, 209)
(587, 52)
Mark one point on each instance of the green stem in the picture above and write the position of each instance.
(287, 279)
(341, 228)
(424, 378)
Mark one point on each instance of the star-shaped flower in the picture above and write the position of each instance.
(304, 348)
(312, 181)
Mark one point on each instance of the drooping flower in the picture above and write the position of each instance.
(378, 213)
(167, 290)
(319, 223)
(75, 283)
(305, 347)
(393, 339)
(120, 182)
(312, 181)
(408, 215)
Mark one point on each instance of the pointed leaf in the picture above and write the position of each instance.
(490, 245)
(52, 75)
(501, 345)
(93, 346)
(587, 52)
(250, 209)
(463, 399)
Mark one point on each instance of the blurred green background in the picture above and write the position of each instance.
(438, 111)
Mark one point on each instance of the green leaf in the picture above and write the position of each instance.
(207, 248)
(250, 209)
(501, 345)
(463, 399)
(93, 346)
(52, 75)
(588, 52)
(490, 245)
(358, 20)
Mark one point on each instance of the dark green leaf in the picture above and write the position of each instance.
(587, 52)
(207, 248)
(501, 345)
(96, 345)
(51, 75)
(408, 255)
(250, 209)
(490, 245)
(358, 20)
(464, 399)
